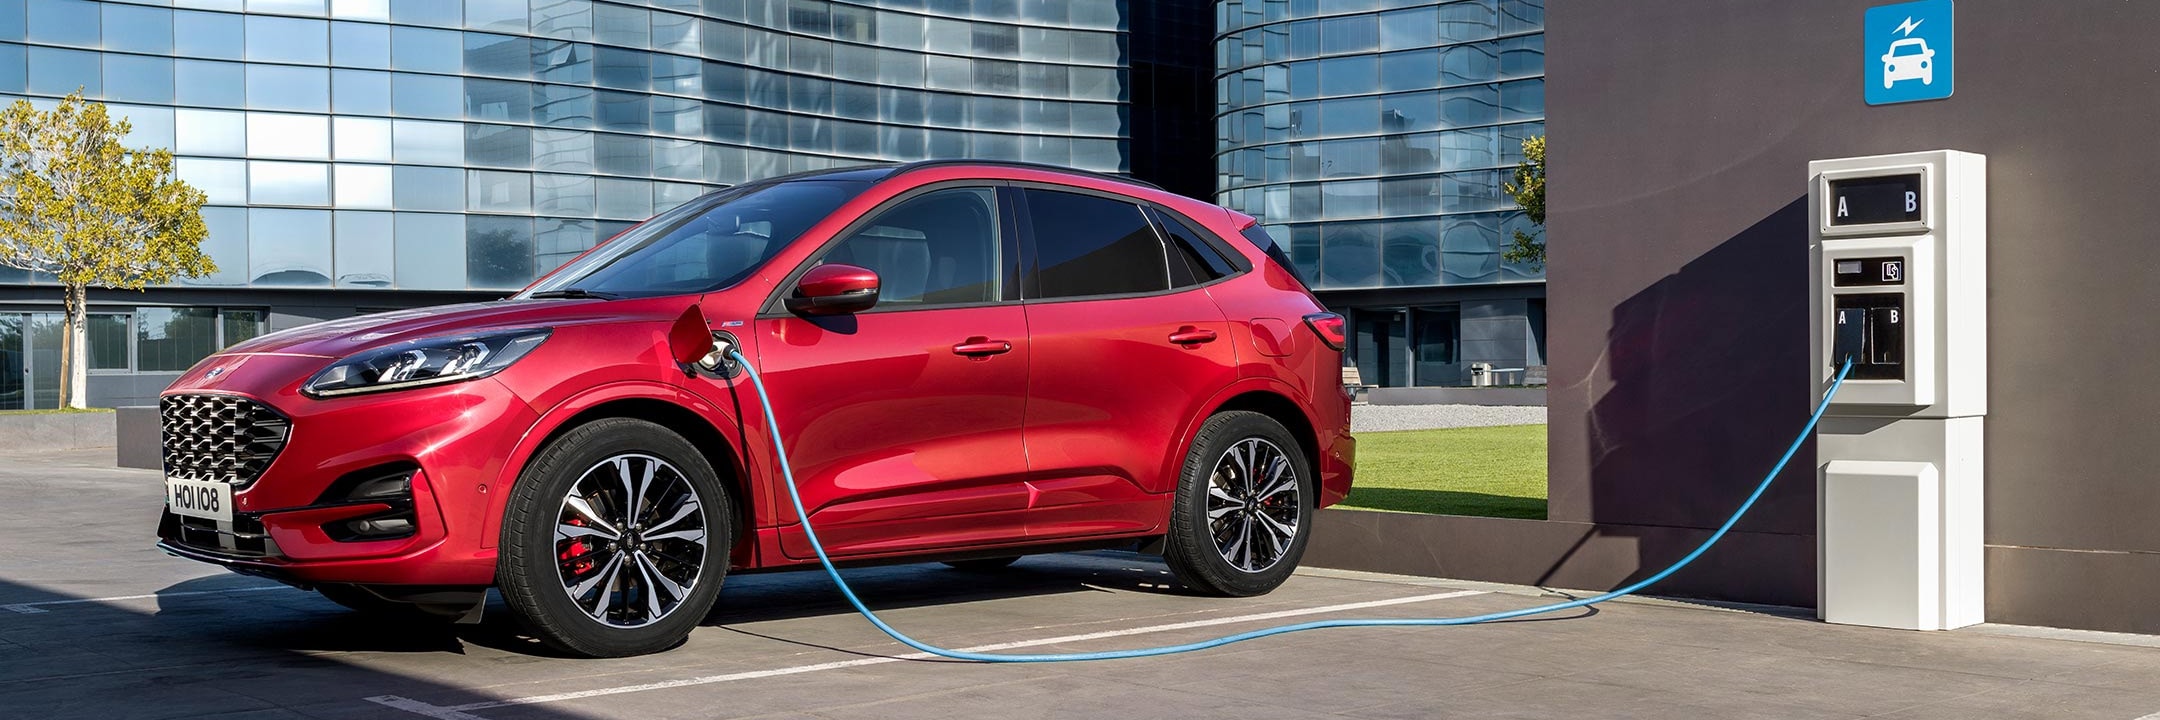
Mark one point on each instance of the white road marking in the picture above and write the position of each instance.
(33, 608)
(2154, 716)
(462, 712)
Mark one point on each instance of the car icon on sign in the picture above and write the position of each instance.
(1908, 59)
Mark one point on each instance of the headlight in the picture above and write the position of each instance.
(433, 361)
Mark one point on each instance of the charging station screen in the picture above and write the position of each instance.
(1866, 201)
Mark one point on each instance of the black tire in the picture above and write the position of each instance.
(1192, 549)
(530, 572)
(982, 565)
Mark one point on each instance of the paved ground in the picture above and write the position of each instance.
(1371, 418)
(184, 640)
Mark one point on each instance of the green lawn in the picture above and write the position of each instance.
(1489, 471)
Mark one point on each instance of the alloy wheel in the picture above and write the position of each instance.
(1253, 508)
(630, 539)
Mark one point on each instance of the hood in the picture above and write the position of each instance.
(339, 338)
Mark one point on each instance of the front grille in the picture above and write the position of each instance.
(222, 438)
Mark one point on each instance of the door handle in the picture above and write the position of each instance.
(1190, 335)
(982, 347)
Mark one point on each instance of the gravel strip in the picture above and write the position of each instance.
(1374, 418)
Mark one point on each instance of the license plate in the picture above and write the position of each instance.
(195, 498)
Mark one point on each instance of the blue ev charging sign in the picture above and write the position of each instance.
(1909, 52)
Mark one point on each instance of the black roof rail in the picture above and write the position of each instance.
(1046, 167)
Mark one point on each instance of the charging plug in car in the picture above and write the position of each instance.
(721, 360)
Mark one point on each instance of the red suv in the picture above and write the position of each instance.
(970, 362)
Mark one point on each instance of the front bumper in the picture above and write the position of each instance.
(289, 522)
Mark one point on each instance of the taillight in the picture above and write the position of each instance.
(1329, 326)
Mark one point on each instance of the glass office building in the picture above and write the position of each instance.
(374, 154)
(1372, 138)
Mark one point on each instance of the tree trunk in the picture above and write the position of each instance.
(75, 350)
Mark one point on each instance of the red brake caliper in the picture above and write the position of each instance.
(576, 548)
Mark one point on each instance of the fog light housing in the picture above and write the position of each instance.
(389, 485)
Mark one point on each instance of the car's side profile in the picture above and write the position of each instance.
(969, 362)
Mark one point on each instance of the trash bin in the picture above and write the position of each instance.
(1481, 375)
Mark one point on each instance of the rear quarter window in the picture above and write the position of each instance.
(1266, 243)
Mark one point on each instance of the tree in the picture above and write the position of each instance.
(1529, 192)
(77, 205)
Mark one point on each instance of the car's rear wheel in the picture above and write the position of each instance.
(1244, 507)
(616, 540)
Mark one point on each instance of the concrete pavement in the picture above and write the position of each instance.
(187, 640)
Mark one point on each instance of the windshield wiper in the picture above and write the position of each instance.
(575, 293)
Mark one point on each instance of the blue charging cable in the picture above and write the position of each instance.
(796, 497)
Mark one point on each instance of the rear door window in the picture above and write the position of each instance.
(1087, 245)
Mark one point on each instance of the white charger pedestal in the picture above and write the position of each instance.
(1898, 283)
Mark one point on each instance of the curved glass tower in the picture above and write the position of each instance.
(1372, 138)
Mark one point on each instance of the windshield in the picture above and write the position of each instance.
(706, 244)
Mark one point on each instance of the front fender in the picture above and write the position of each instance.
(554, 419)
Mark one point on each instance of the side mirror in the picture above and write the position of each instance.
(834, 290)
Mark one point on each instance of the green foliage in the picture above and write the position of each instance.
(1487, 471)
(1528, 189)
(77, 204)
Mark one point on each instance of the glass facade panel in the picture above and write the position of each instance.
(226, 242)
(498, 192)
(365, 253)
(430, 251)
(361, 139)
(296, 137)
(360, 92)
(426, 50)
(288, 40)
(428, 188)
(133, 78)
(208, 35)
(138, 29)
(430, 143)
(54, 71)
(362, 186)
(280, 87)
(362, 45)
(223, 181)
(64, 22)
(288, 248)
(498, 252)
(288, 183)
(172, 339)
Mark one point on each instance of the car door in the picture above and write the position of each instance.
(903, 422)
(1121, 363)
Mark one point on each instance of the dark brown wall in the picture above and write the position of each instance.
(1680, 137)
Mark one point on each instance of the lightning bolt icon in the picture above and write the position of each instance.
(1906, 28)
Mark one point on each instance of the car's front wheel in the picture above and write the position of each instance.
(616, 540)
(1244, 507)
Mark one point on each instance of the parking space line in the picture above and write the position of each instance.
(462, 712)
(33, 608)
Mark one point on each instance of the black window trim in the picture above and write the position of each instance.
(1029, 293)
(775, 305)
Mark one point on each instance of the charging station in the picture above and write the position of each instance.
(1898, 285)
